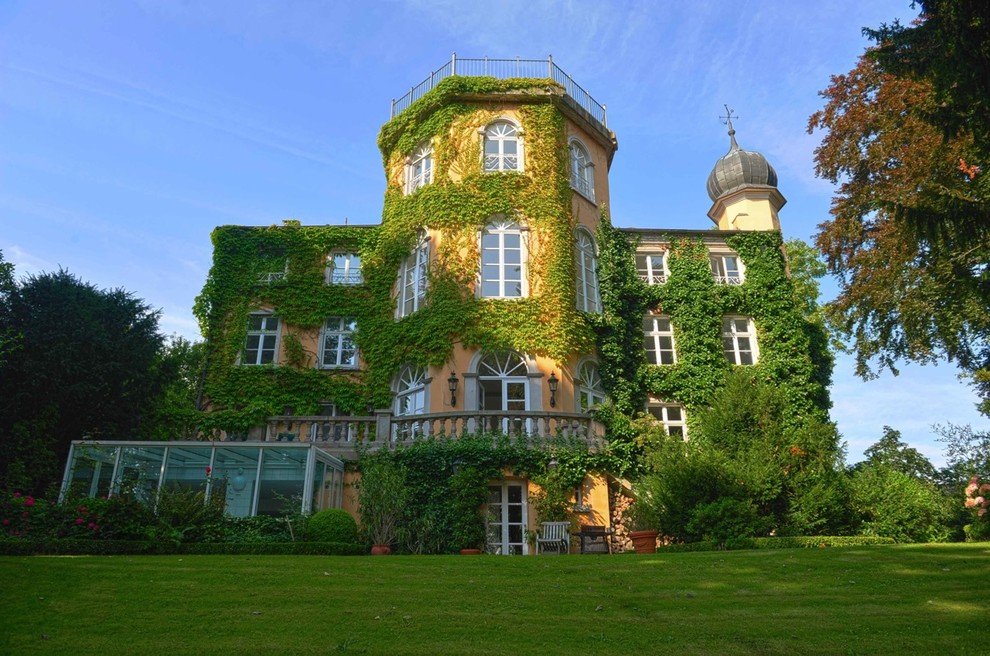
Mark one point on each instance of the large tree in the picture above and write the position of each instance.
(86, 363)
(909, 238)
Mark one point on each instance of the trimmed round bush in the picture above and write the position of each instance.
(332, 525)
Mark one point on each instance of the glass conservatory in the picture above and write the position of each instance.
(257, 478)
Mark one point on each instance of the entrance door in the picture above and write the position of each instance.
(506, 519)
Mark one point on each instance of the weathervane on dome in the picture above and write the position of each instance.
(727, 120)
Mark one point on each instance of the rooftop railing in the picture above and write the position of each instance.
(503, 69)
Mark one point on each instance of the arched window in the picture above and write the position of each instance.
(419, 167)
(503, 385)
(587, 274)
(410, 391)
(582, 171)
(503, 257)
(411, 285)
(503, 147)
(591, 392)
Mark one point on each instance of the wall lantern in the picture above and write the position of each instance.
(552, 384)
(452, 386)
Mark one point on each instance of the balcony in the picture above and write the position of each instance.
(504, 69)
(343, 436)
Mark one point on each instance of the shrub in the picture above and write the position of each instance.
(184, 515)
(332, 525)
(896, 505)
(725, 519)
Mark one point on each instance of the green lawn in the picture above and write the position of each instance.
(857, 600)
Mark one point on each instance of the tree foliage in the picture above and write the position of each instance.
(908, 236)
(86, 364)
(891, 452)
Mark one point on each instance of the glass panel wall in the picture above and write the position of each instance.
(283, 472)
(255, 478)
(238, 469)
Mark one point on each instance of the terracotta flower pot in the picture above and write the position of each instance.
(380, 550)
(644, 542)
(470, 552)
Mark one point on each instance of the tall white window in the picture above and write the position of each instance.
(587, 274)
(652, 267)
(503, 384)
(503, 148)
(582, 171)
(502, 260)
(410, 400)
(739, 340)
(411, 286)
(261, 345)
(344, 268)
(727, 269)
(419, 169)
(591, 392)
(337, 349)
(672, 417)
(658, 336)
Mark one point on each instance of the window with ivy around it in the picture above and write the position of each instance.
(502, 261)
(502, 148)
(739, 340)
(582, 171)
(652, 267)
(671, 415)
(411, 284)
(261, 345)
(410, 400)
(337, 349)
(658, 336)
(727, 269)
(587, 274)
(344, 268)
(590, 390)
(419, 169)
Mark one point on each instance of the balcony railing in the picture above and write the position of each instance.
(345, 434)
(503, 69)
(653, 278)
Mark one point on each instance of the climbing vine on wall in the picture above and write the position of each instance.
(792, 356)
(457, 205)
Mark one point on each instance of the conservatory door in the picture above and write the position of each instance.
(506, 519)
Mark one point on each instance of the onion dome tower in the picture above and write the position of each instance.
(743, 188)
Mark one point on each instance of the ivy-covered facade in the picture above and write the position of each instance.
(497, 296)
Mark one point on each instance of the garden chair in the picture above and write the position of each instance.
(554, 535)
(595, 539)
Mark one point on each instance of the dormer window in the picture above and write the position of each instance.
(582, 171)
(419, 167)
(502, 147)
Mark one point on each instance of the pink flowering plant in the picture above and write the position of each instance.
(978, 502)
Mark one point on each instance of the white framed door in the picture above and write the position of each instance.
(506, 518)
(503, 386)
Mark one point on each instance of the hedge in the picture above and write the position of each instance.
(125, 547)
(802, 542)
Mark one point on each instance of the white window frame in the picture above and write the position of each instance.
(590, 391)
(411, 399)
(419, 167)
(500, 228)
(587, 288)
(268, 333)
(341, 330)
(413, 276)
(501, 132)
(732, 335)
(648, 271)
(654, 335)
(722, 269)
(663, 412)
(582, 170)
(351, 271)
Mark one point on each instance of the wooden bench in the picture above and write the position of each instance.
(554, 535)
(595, 539)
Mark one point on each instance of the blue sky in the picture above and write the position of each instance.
(128, 131)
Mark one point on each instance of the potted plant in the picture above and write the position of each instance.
(644, 520)
(382, 498)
